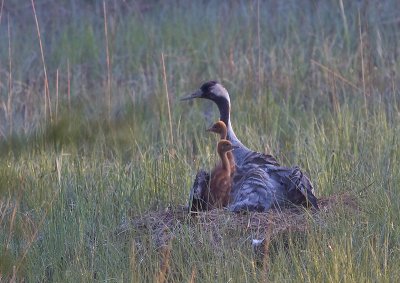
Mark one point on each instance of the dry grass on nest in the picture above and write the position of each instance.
(219, 224)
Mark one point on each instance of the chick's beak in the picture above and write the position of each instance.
(196, 94)
(209, 129)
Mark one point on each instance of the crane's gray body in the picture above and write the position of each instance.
(260, 183)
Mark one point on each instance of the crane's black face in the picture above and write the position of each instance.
(209, 90)
(208, 86)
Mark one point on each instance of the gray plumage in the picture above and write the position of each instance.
(259, 188)
(253, 191)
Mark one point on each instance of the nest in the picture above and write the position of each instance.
(222, 225)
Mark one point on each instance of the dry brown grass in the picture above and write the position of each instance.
(221, 224)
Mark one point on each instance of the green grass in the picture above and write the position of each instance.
(313, 84)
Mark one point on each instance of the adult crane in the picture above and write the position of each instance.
(260, 182)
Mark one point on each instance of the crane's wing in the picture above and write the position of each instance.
(197, 191)
(298, 187)
(252, 190)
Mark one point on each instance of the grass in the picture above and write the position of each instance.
(314, 83)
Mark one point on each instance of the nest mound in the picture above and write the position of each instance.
(221, 224)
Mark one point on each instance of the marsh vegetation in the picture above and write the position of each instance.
(92, 135)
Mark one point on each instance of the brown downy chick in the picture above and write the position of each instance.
(220, 128)
(221, 179)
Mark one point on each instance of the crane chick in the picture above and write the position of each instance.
(221, 179)
(220, 128)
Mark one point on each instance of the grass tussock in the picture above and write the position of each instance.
(92, 135)
(171, 223)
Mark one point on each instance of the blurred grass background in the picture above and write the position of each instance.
(85, 138)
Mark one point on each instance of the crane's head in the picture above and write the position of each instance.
(211, 90)
(225, 146)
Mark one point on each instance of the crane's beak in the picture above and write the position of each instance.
(197, 94)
